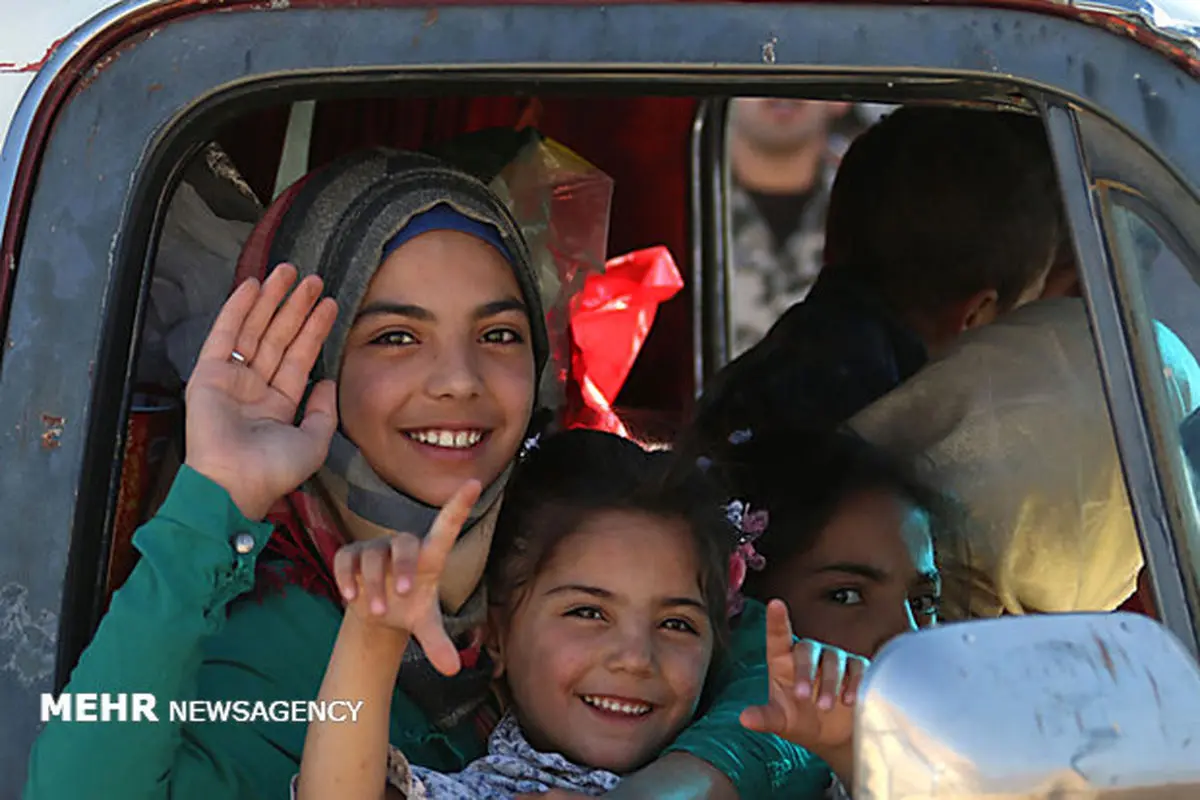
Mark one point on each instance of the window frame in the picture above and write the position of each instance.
(103, 133)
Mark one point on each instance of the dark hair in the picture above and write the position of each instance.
(802, 479)
(572, 475)
(932, 205)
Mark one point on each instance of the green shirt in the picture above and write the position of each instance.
(174, 630)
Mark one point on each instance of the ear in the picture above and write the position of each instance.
(493, 641)
(978, 310)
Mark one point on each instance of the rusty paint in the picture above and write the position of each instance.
(32, 66)
(431, 18)
(154, 87)
(52, 437)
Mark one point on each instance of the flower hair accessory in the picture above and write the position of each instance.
(751, 525)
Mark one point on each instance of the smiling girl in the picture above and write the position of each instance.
(608, 590)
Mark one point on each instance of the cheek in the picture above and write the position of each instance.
(511, 381)
(365, 396)
(685, 668)
(547, 655)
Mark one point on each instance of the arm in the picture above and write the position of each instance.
(350, 759)
(244, 451)
(151, 641)
(391, 588)
(717, 757)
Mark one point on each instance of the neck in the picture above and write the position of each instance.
(792, 172)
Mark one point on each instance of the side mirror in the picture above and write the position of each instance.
(1055, 706)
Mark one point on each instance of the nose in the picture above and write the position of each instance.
(902, 620)
(455, 371)
(632, 651)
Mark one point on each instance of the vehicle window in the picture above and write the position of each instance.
(782, 154)
(1166, 272)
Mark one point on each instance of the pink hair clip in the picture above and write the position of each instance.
(751, 525)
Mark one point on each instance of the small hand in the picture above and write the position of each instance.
(812, 692)
(241, 430)
(393, 580)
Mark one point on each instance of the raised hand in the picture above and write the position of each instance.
(812, 690)
(393, 580)
(249, 380)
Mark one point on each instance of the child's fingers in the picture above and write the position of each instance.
(441, 652)
(804, 665)
(345, 571)
(406, 549)
(293, 371)
(764, 719)
(829, 677)
(274, 289)
(222, 337)
(372, 573)
(856, 669)
(448, 524)
(779, 630)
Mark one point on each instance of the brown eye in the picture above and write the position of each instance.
(846, 596)
(395, 338)
(503, 336)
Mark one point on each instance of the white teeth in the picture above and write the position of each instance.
(632, 709)
(458, 440)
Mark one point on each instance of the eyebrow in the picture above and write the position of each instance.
(604, 594)
(862, 570)
(875, 573)
(423, 314)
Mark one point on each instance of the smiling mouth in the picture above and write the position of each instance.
(621, 706)
(450, 440)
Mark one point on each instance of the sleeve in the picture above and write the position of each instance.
(198, 554)
(759, 765)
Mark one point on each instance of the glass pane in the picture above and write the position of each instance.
(1166, 270)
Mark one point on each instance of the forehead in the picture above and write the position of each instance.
(878, 529)
(445, 265)
(627, 549)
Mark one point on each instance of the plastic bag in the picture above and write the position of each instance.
(562, 205)
(610, 320)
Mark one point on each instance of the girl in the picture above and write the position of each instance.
(608, 589)
(843, 535)
(432, 328)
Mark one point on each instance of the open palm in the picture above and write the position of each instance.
(241, 430)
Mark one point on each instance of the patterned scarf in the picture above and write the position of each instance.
(301, 551)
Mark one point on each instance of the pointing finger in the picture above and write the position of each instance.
(448, 524)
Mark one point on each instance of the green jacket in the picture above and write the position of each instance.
(175, 631)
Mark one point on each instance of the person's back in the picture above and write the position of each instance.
(940, 220)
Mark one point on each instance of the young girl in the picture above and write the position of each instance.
(608, 594)
(839, 530)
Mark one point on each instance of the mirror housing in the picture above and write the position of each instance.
(1045, 706)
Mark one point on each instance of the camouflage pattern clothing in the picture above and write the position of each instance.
(769, 276)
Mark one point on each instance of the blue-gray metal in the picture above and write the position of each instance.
(80, 275)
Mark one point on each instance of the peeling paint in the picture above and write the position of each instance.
(55, 426)
(768, 50)
(27, 642)
(32, 66)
